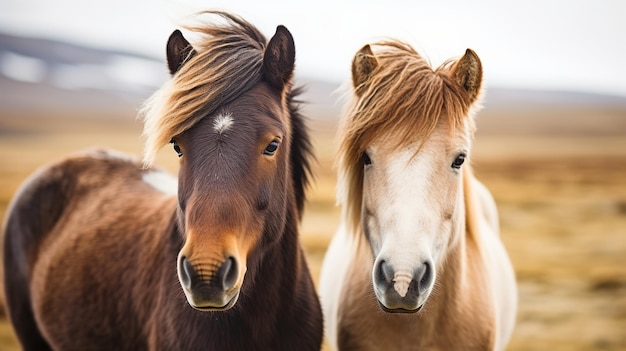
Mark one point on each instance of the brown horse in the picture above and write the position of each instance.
(97, 247)
(417, 263)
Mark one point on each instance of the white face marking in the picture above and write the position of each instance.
(400, 195)
(161, 181)
(411, 203)
(412, 197)
(223, 122)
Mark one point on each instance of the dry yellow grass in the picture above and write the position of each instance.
(562, 206)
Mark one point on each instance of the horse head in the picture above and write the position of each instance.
(233, 137)
(404, 144)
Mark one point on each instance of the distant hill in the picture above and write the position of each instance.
(518, 111)
(40, 77)
(40, 74)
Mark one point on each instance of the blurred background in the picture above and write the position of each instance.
(551, 140)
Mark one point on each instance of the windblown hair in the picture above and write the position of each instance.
(403, 100)
(228, 62)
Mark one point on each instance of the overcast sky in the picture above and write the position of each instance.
(545, 44)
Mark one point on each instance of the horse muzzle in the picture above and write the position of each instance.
(404, 290)
(210, 287)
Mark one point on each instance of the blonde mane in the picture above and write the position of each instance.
(404, 100)
(228, 61)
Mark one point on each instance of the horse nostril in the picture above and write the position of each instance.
(228, 273)
(424, 277)
(187, 272)
(384, 273)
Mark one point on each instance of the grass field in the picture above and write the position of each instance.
(562, 204)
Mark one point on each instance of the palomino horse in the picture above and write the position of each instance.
(99, 255)
(417, 263)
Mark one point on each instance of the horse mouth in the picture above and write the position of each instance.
(399, 309)
(211, 308)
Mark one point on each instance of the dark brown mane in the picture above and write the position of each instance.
(301, 151)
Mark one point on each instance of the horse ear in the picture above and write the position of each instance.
(363, 64)
(468, 73)
(178, 51)
(279, 58)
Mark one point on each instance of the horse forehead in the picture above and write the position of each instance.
(223, 122)
(255, 111)
(443, 140)
(411, 172)
(415, 155)
(225, 147)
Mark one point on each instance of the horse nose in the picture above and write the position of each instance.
(402, 289)
(205, 289)
(224, 278)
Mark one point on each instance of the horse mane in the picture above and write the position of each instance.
(404, 100)
(228, 62)
(301, 153)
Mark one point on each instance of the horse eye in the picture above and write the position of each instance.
(366, 159)
(271, 148)
(176, 148)
(458, 162)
